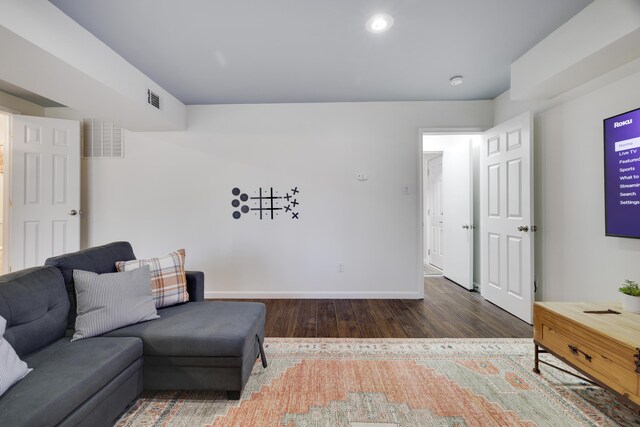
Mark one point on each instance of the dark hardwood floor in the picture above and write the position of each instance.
(447, 311)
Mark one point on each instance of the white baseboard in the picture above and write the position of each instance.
(311, 295)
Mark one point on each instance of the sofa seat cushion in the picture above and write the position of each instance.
(66, 374)
(200, 329)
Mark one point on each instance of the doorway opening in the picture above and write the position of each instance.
(487, 211)
(450, 198)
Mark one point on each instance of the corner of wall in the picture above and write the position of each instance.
(13, 104)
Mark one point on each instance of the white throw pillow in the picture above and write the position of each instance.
(112, 300)
(12, 369)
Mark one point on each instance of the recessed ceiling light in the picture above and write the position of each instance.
(379, 23)
(456, 80)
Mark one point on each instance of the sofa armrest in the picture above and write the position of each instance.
(195, 285)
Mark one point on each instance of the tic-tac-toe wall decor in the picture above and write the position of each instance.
(266, 203)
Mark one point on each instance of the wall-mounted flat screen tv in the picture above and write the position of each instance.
(622, 174)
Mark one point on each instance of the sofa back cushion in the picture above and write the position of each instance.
(35, 304)
(99, 259)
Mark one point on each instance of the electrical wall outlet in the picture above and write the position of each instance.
(341, 267)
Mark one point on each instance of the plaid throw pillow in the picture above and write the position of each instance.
(168, 279)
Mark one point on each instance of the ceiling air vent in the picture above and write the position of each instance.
(102, 139)
(153, 99)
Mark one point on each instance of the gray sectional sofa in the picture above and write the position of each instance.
(193, 346)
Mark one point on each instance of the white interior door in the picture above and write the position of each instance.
(457, 173)
(506, 203)
(45, 190)
(435, 211)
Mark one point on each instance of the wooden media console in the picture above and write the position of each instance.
(599, 340)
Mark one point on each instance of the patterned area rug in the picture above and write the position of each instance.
(393, 382)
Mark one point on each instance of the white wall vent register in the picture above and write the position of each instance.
(153, 99)
(102, 139)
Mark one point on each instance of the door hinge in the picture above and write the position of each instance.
(428, 172)
(535, 286)
(10, 203)
(428, 251)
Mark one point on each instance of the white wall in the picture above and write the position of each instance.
(173, 190)
(574, 259)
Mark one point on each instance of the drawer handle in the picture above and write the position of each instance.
(575, 352)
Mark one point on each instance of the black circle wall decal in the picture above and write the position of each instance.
(266, 202)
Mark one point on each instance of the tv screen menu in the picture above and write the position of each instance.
(622, 174)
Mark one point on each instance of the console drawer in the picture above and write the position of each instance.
(599, 343)
(589, 358)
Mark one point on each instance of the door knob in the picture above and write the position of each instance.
(466, 227)
(73, 212)
(524, 228)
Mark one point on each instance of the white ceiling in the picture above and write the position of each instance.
(259, 51)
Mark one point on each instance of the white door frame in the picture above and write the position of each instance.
(425, 230)
(6, 188)
(420, 156)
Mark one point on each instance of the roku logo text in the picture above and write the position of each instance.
(624, 123)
